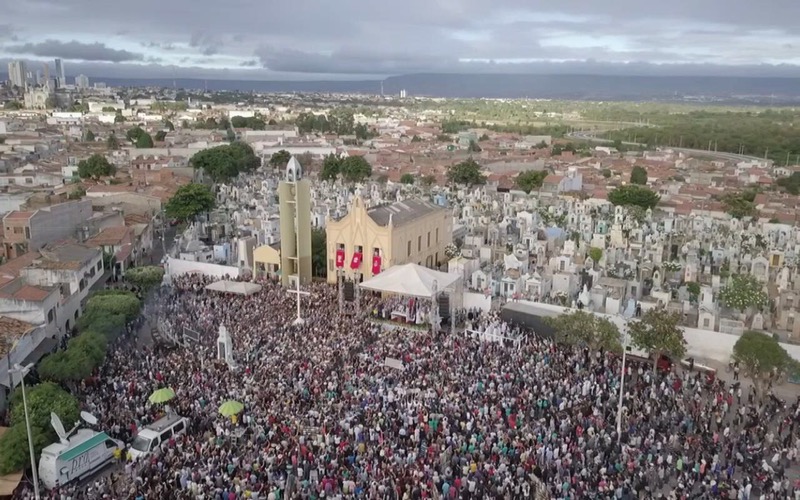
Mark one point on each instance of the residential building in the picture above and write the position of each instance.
(118, 242)
(406, 231)
(20, 342)
(16, 74)
(32, 304)
(31, 230)
(82, 82)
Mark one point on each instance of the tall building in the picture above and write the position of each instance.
(82, 82)
(61, 78)
(294, 196)
(16, 73)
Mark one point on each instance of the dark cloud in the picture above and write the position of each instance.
(208, 43)
(75, 51)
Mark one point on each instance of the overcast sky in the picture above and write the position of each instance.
(318, 39)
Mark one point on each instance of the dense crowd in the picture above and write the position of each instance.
(465, 418)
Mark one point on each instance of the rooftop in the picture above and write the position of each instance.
(17, 215)
(11, 330)
(110, 236)
(66, 256)
(402, 212)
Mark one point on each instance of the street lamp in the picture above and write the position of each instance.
(626, 315)
(23, 370)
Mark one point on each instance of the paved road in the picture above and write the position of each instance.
(722, 155)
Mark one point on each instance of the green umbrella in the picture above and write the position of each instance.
(230, 408)
(162, 395)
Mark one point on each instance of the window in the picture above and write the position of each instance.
(17, 230)
(437, 235)
(12, 181)
(51, 315)
(166, 435)
(359, 249)
(82, 284)
(409, 248)
(28, 233)
(706, 322)
(99, 265)
(419, 243)
(28, 180)
(178, 427)
(340, 246)
(429, 239)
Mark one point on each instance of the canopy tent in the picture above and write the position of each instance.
(237, 287)
(411, 280)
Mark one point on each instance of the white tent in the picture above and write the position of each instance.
(237, 287)
(411, 280)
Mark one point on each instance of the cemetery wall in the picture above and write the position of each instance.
(176, 267)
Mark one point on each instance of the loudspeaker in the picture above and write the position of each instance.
(349, 291)
(444, 307)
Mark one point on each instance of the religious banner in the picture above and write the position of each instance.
(356, 262)
(340, 257)
(376, 263)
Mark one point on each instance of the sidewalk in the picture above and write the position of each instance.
(786, 391)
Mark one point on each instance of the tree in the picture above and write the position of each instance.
(596, 254)
(13, 106)
(606, 173)
(279, 159)
(483, 137)
(587, 329)
(633, 194)
(744, 293)
(89, 136)
(530, 180)
(416, 138)
(43, 399)
(140, 138)
(355, 169)
(169, 125)
(120, 302)
(223, 163)
(658, 333)
(118, 118)
(14, 447)
(694, 290)
(639, 176)
(161, 135)
(77, 193)
(83, 355)
(473, 147)
(467, 172)
(740, 205)
(112, 142)
(761, 358)
(330, 167)
(189, 201)
(107, 324)
(145, 277)
(319, 252)
(428, 180)
(407, 178)
(95, 166)
(451, 251)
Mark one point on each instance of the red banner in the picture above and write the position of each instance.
(356, 262)
(376, 263)
(340, 258)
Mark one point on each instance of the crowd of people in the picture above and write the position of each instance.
(326, 416)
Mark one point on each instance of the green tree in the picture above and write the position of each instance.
(740, 205)
(118, 118)
(223, 163)
(587, 329)
(407, 178)
(83, 355)
(145, 277)
(89, 136)
(13, 106)
(762, 359)
(189, 201)
(416, 138)
(331, 167)
(279, 159)
(77, 193)
(122, 302)
(355, 169)
(169, 125)
(530, 180)
(694, 290)
(161, 135)
(658, 333)
(596, 254)
(744, 293)
(606, 173)
(43, 399)
(14, 447)
(319, 252)
(639, 176)
(467, 172)
(633, 194)
(473, 147)
(109, 109)
(483, 137)
(95, 166)
(428, 180)
(105, 323)
(112, 142)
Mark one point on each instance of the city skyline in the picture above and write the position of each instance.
(244, 39)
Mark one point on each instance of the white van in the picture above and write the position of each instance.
(150, 438)
(82, 454)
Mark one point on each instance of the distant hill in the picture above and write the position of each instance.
(578, 87)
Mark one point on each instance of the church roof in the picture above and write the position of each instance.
(402, 212)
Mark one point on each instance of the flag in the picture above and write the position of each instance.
(340, 258)
(376, 263)
(356, 262)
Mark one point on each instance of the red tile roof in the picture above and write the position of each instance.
(18, 215)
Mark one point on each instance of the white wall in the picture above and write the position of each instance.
(700, 344)
(176, 267)
(479, 300)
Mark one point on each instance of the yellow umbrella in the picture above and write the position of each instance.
(230, 408)
(162, 395)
